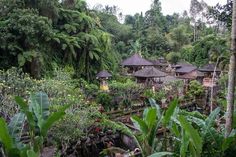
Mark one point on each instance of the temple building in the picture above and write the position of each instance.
(135, 63)
(149, 76)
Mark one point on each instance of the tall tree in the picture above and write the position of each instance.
(221, 15)
(195, 8)
(198, 12)
(232, 72)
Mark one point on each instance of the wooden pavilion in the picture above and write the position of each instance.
(208, 71)
(192, 75)
(135, 63)
(103, 76)
(182, 69)
(149, 76)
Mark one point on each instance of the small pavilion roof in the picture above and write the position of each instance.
(136, 60)
(192, 75)
(209, 68)
(103, 74)
(149, 72)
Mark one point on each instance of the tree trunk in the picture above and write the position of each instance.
(35, 68)
(212, 82)
(231, 82)
(194, 32)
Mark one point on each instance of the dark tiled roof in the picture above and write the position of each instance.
(135, 60)
(209, 68)
(148, 72)
(103, 74)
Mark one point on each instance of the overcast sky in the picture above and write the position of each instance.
(136, 6)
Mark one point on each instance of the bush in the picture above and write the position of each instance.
(105, 100)
(158, 95)
(195, 89)
(61, 89)
(173, 57)
(75, 123)
(126, 91)
(89, 89)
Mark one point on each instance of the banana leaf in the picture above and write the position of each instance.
(16, 127)
(5, 137)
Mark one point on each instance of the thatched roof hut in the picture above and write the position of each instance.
(192, 75)
(209, 68)
(149, 72)
(168, 79)
(103, 74)
(136, 60)
(184, 69)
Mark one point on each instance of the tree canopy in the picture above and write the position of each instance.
(35, 34)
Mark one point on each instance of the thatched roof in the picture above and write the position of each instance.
(192, 75)
(136, 60)
(159, 61)
(169, 79)
(149, 72)
(103, 74)
(186, 69)
(181, 64)
(209, 68)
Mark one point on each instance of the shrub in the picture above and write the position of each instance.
(105, 100)
(173, 57)
(158, 95)
(89, 89)
(75, 123)
(195, 89)
(61, 89)
(127, 91)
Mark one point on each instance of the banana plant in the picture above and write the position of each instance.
(173, 120)
(10, 144)
(191, 139)
(16, 127)
(148, 126)
(39, 120)
(214, 142)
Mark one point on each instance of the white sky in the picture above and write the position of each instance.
(136, 6)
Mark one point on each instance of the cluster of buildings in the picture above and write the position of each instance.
(159, 71)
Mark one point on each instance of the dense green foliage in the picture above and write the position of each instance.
(58, 47)
(35, 34)
(15, 82)
(195, 90)
(196, 38)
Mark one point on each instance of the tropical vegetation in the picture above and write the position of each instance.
(50, 100)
